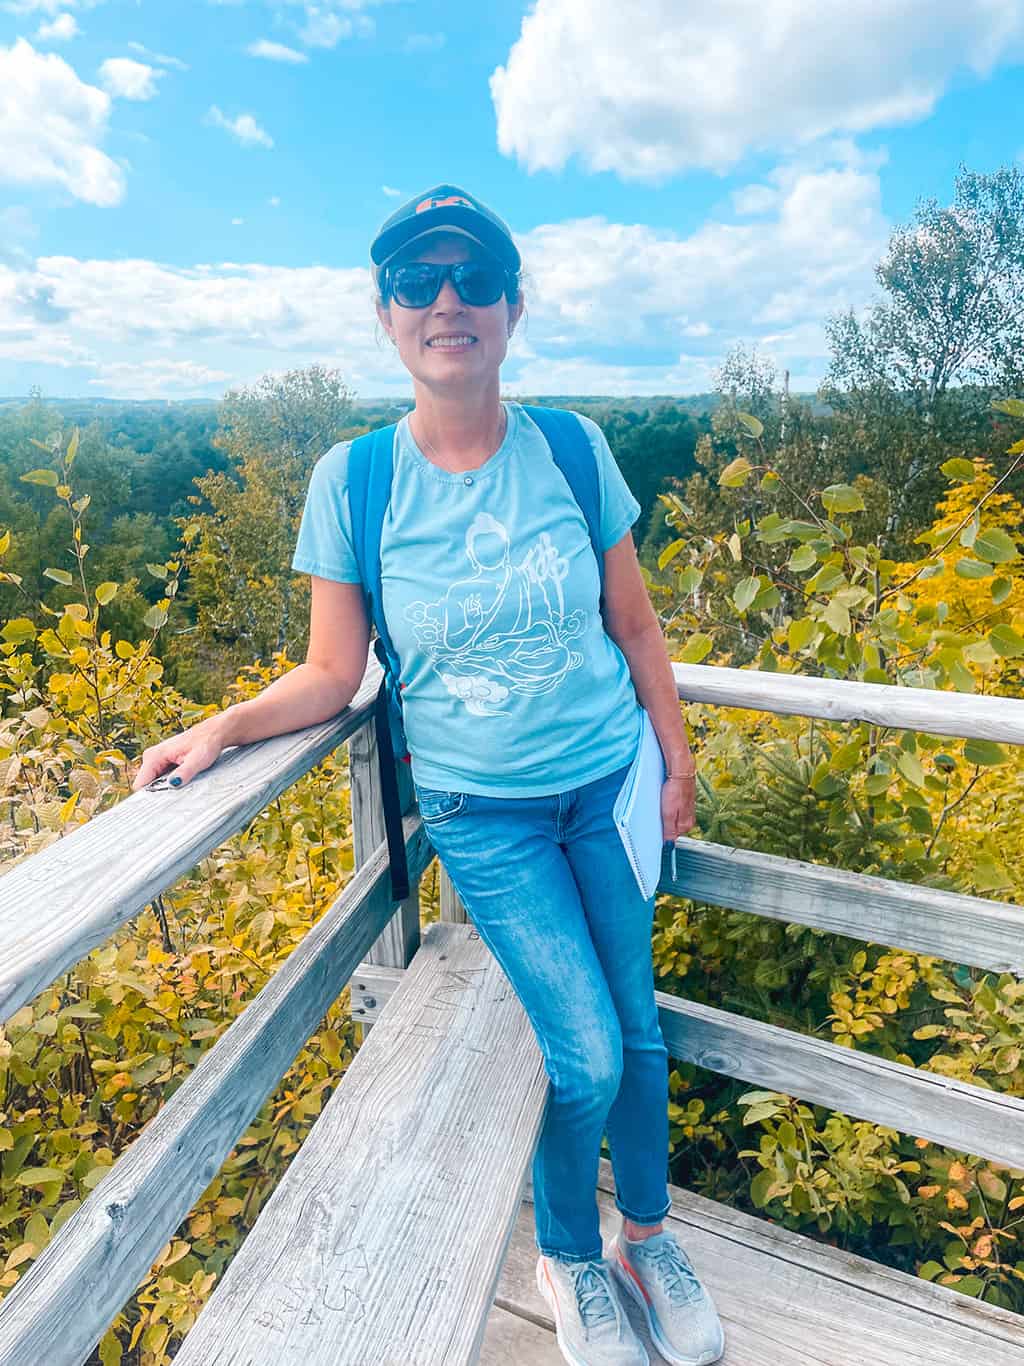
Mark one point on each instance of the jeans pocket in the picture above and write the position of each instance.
(436, 805)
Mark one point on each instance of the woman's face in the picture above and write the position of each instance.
(450, 368)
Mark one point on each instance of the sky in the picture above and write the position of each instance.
(189, 189)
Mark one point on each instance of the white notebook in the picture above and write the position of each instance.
(637, 809)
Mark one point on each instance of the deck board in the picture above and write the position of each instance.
(785, 1300)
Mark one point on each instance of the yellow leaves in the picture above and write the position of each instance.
(955, 1200)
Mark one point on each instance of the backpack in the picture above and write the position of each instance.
(370, 471)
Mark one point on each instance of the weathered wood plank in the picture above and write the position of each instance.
(384, 1239)
(933, 711)
(968, 1118)
(788, 1300)
(962, 929)
(914, 1101)
(65, 1302)
(58, 904)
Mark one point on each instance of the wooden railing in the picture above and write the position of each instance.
(60, 903)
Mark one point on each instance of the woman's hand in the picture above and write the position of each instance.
(190, 751)
(678, 798)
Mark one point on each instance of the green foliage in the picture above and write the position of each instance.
(808, 594)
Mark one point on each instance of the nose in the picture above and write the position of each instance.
(448, 298)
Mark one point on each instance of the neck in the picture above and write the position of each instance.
(463, 429)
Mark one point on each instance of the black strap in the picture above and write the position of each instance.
(399, 867)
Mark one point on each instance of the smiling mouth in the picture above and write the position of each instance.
(459, 343)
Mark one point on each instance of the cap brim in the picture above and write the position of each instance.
(429, 232)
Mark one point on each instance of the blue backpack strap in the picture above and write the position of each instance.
(370, 470)
(574, 456)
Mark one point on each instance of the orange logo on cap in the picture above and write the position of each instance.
(425, 204)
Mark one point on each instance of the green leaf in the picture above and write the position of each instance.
(1006, 641)
(842, 498)
(746, 591)
(995, 545)
(688, 579)
(47, 477)
(760, 1187)
(803, 557)
(910, 766)
(697, 646)
(753, 425)
(1000, 589)
(1013, 407)
(159, 571)
(666, 556)
(18, 630)
(1007, 1059)
(984, 752)
(155, 617)
(927, 1271)
(970, 568)
(38, 1176)
(800, 632)
(958, 468)
(735, 473)
(836, 615)
(58, 575)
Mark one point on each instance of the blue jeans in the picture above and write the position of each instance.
(547, 885)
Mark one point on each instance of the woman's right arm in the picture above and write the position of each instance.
(339, 639)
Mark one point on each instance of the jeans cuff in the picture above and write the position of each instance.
(569, 1256)
(643, 1218)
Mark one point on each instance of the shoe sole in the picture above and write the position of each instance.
(551, 1300)
(670, 1354)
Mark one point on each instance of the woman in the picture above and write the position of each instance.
(521, 706)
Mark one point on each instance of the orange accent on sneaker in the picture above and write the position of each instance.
(626, 1267)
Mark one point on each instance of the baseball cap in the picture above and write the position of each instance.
(444, 206)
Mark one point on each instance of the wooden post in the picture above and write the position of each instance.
(401, 938)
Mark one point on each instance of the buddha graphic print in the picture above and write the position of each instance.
(510, 684)
(503, 628)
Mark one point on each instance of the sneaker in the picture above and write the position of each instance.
(591, 1327)
(681, 1314)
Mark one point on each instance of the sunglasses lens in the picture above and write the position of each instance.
(479, 284)
(416, 285)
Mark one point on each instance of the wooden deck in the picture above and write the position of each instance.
(784, 1299)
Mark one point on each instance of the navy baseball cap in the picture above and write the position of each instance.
(445, 206)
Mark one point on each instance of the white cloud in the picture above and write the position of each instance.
(391, 192)
(59, 30)
(144, 379)
(326, 27)
(47, 6)
(128, 79)
(275, 52)
(160, 58)
(614, 307)
(646, 91)
(237, 222)
(245, 128)
(274, 201)
(51, 124)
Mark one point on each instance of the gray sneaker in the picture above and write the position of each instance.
(591, 1326)
(681, 1315)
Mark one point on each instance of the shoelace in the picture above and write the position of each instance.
(680, 1279)
(594, 1294)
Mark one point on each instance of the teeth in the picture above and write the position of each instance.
(449, 341)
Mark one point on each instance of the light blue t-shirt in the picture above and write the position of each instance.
(513, 688)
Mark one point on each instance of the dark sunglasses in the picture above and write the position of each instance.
(418, 284)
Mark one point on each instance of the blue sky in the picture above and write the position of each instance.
(188, 190)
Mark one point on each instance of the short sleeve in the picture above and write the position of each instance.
(324, 544)
(619, 509)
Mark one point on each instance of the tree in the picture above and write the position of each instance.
(242, 585)
(912, 380)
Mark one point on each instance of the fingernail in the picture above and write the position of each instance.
(175, 782)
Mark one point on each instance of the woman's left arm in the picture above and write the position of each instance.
(633, 624)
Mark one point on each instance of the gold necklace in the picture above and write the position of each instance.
(504, 429)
